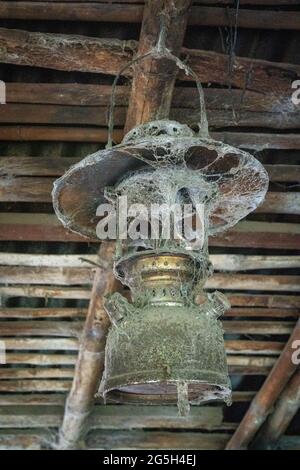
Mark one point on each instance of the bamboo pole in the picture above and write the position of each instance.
(90, 361)
(285, 410)
(267, 395)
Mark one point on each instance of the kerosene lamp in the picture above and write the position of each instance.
(163, 346)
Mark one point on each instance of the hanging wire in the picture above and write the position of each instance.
(160, 51)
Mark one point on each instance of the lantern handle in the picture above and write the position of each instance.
(159, 51)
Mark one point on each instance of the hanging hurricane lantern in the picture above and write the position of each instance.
(163, 345)
(176, 188)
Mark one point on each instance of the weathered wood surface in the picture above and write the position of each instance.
(46, 291)
(240, 364)
(274, 301)
(251, 347)
(73, 276)
(33, 439)
(90, 362)
(47, 166)
(46, 227)
(40, 166)
(44, 275)
(87, 105)
(38, 313)
(35, 385)
(263, 312)
(34, 227)
(13, 441)
(58, 399)
(284, 411)
(268, 301)
(199, 2)
(35, 166)
(224, 262)
(62, 134)
(46, 361)
(115, 417)
(38, 189)
(263, 402)
(281, 203)
(35, 373)
(254, 282)
(43, 399)
(77, 94)
(133, 13)
(248, 140)
(156, 440)
(53, 115)
(259, 141)
(63, 313)
(64, 52)
(39, 344)
(88, 54)
(259, 327)
(41, 359)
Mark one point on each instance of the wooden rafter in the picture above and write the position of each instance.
(154, 79)
(44, 341)
(109, 56)
(43, 166)
(284, 411)
(266, 397)
(133, 13)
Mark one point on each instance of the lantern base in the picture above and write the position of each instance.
(163, 346)
(136, 389)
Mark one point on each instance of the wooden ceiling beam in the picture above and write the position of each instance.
(74, 276)
(80, 313)
(221, 262)
(154, 78)
(270, 301)
(38, 189)
(89, 95)
(133, 13)
(257, 141)
(285, 409)
(250, 234)
(221, 116)
(109, 56)
(61, 367)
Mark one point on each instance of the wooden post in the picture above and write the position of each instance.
(153, 81)
(285, 410)
(267, 395)
(90, 363)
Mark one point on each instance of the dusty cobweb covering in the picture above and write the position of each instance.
(234, 179)
(163, 346)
